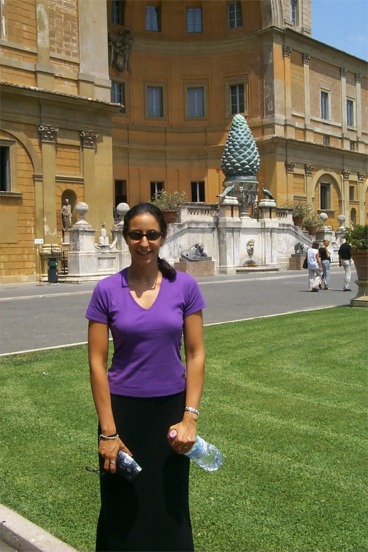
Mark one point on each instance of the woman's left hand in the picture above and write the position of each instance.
(185, 437)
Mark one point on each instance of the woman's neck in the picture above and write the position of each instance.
(145, 277)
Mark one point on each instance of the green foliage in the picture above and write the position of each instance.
(169, 200)
(358, 236)
(299, 209)
(285, 400)
(311, 218)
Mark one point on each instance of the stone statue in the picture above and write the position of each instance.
(195, 253)
(119, 49)
(299, 248)
(66, 215)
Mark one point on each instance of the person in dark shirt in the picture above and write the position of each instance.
(325, 260)
(345, 262)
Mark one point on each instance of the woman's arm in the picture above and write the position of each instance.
(195, 365)
(98, 349)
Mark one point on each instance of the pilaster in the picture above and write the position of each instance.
(93, 53)
(47, 135)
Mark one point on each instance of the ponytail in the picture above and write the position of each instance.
(166, 269)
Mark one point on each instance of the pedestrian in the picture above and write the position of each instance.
(314, 266)
(345, 262)
(326, 261)
(148, 392)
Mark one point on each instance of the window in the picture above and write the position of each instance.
(194, 20)
(325, 196)
(351, 193)
(234, 15)
(294, 12)
(326, 140)
(118, 93)
(120, 192)
(156, 187)
(154, 102)
(237, 99)
(152, 18)
(324, 105)
(197, 191)
(196, 102)
(5, 169)
(117, 12)
(352, 145)
(350, 113)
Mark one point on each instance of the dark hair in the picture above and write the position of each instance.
(165, 268)
(315, 245)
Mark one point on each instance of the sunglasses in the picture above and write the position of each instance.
(137, 235)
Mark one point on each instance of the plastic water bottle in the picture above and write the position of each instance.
(207, 456)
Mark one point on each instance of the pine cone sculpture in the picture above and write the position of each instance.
(241, 156)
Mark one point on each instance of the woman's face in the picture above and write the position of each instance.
(144, 249)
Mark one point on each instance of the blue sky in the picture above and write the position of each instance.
(342, 24)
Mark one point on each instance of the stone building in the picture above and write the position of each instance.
(105, 102)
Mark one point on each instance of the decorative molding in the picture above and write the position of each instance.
(120, 44)
(286, 51)
(290, 166)
(361, 176)
(342, 72)
(308, 169)
(47, 133)
(306, 59)
(345, 173)
(88, 139)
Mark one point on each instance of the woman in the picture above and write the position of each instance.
(314, 266)
(147, 392)
(325, 260)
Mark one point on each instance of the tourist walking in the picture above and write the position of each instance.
(147, 392)
(326, 261)
(345, 262)
(314, 267)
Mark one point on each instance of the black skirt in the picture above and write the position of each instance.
(151, 514)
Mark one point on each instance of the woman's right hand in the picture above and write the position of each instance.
(109, 449)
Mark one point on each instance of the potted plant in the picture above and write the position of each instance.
(299, 212)
(169, 203)
(311, 221)
(358, 239)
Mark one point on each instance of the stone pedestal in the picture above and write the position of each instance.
(196, 268)
(296, 261)
(361, 299)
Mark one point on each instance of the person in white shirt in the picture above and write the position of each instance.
(314, 266)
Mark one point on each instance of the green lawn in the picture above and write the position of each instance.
(285, 399)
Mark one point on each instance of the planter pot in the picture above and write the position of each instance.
(170, 215)
(312, 230)
(360, 258)
(297, 220)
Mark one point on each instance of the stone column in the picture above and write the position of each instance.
(358, 112)
(289, 166)
(47, 135)
(345, 194)
(44, 70)
(345, 137)
(309, 182)
(94, 80)
(309, 132)
(290, 127)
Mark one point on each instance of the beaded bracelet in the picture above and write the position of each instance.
(191, 409)
(108, 437)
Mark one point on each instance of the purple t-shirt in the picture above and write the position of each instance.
(146, 360)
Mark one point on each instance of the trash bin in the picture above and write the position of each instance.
(52, 274)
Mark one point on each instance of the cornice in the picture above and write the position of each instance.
(52, 95)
